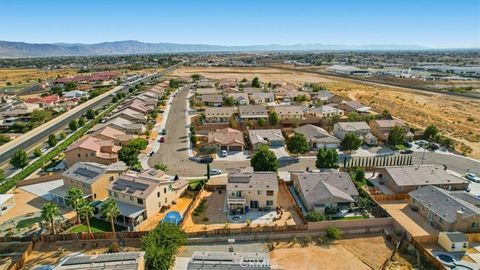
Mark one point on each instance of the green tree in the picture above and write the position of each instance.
(256, 83)
(129, 155)
(161, 245)
(37, 152)
(326, 158)
(162, 167)
(430, 132)
(138, 144)
(264, 160)
(57, 90)
(333, 233)
(196, 77)
(350, 142)
(261, 122)
(90, 114)
(301, 98)
(70, 86)
(110, 211)
(52, 140)
(297, 144)
(273, 118)
(208, 170)
(209, 149)
(73, 125)
(49, 212)
(396, 136)
(81, 122)
(4, 139)
(75, 199)
(19, 159)
(114, 100)
(86, 211)
(38, 116)
(229, 101)
(193, 139)
(314, 216)
(353, 117)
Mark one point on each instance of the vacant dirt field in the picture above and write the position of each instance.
(362, 252)
(45, 253)
(30, 75)
(457, 117)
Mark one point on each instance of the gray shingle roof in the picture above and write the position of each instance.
(318, 134)
(265, 135)
(422, 175)
(252, 181)
(325, 186)
(456, 236)
(442, 203)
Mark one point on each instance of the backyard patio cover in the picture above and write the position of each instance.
(127, 210)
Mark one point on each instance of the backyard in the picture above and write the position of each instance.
(96, 225)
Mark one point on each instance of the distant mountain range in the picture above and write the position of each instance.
(21, 49)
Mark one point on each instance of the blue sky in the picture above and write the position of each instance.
(437, 23)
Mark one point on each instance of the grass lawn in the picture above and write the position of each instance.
(399, 147)
(349, 218)
(24, 223)
(97, 225)
(196, 184)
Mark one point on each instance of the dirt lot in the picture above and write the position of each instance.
(26, 202)
(456, 116)
(30, 75)
(217, 218)
(362, 252)
(50, 253)
(413, 222)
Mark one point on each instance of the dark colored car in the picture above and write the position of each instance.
(162, 139)
(408, 151)
(434, 146)
(164, 132)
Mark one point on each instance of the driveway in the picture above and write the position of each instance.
(280, 152)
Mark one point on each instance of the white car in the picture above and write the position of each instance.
(472, 177)
(215, 172)
(223, 153)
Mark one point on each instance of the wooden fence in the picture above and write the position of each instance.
(352, 225)
(427, 255)
(390, 197)
(38, 180)
(191, 207)
(21, 261)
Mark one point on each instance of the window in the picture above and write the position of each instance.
(79, 155)
(115, 194)
(158, 194)
(92, 154)
(164, 190)
(109, 193)
(269, 203)
(473, 225)
(94, 195)
(453, 246)
(165, 200)
(139, 201)
(131, 198)
(465, 245)
(259, 192)
(111, 178)
(269, 192)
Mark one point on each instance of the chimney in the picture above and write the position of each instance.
(459, 216)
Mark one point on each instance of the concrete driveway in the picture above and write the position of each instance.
(280, 152)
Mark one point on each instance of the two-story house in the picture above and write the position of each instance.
(92, 149)
(381, 128)
(361, 129)
(252, 190)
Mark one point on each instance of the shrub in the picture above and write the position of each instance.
(314, 216)
(333, 233)
(114, 248)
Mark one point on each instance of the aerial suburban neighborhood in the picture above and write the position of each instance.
(184, 156)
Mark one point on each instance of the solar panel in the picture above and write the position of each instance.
(86, 173)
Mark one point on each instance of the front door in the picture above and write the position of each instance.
(253, 204)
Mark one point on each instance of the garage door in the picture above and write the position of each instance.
(330, 146)
(235, 148)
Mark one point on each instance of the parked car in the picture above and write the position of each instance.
(196, 159)
(215, 172)
(472, 177)
(162, 139)
(434, 146)
(206, 159)
(421, 143)
(151, 153)
(164, 132)
(223, 153)
(408, 144)
(407, 151)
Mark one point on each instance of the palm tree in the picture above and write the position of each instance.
(75, 199)
(86, 211)
(111, 211)
(49, 212)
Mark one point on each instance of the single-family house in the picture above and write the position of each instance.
(138, 106)
(326, 97)
(239, 98)
(212, 100)
(444, 211)
(205, 84)
(361, 129)
(269, 137)
(219, 114)
(91, 149)
(123, 125)
(325, 192)
(381, 128)
(122, 260)
(262, 97)
(90, 177)
(142, 195)
(131, 115)
(252, 112)
(208, 91)
(252, 190)
(352, 106)
(229, 260)
(76, 94)
(109, 133)
(317, 137)
(403, 179)
(227, 139)
(251, 90)
(290, 112)
(326, 111)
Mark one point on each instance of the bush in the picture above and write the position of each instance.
(314, 216)
(114, 248)
(333, 233)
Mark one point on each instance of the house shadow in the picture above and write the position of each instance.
(286, 161)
